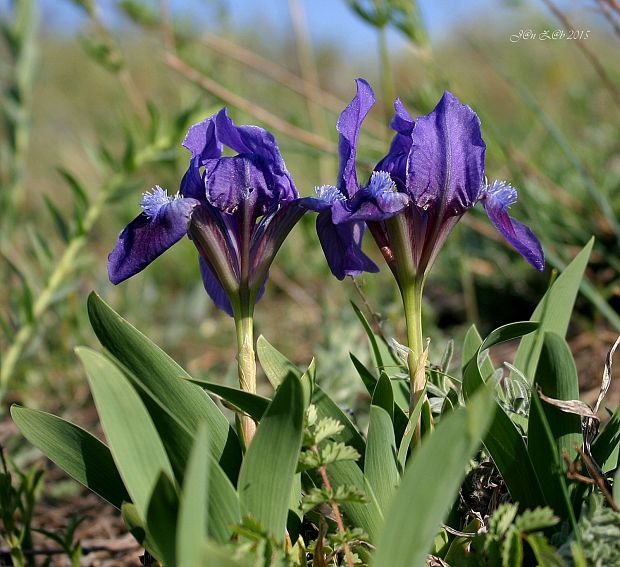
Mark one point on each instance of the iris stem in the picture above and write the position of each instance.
(246, 364)
(411, 293)
(411, 285)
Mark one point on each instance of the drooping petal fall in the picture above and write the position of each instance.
(496, 200)
(163, 223)
(342, 246)
(267, 239)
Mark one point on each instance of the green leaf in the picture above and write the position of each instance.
(383, 396)
(216, 556)
(556, 375)
(326, 407)
(551, 431)
(191, 530)
(134, 443)
(616, 493)
(209, 502)
(136, 526)
(267, 471)
(158, 376)
(544, 456)
(409, 431)
(400, 401)
(546, 555)
(223, 504)
(380, 464)
(79, 193)
(252, 404)
(607, 440)
(59, 221)
(371, 337)
(74, 450)
(536, 520)
(367, 516)
(503, 440)
(161, 519)
(471, 346)
(295, 516)
(512, 549)
(366, 375)
(276, 366)
(553, 312)
(502, 519)
(431, 482)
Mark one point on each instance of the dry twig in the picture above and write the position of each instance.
(221, 92)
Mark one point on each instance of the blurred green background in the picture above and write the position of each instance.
(97, 97)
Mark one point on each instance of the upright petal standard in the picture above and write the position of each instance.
(340, 234)
(437, 160)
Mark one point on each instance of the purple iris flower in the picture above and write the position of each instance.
(340, 237)
(237, 210)
(437, 162)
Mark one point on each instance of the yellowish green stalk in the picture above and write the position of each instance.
(246, 364)
(411, 285)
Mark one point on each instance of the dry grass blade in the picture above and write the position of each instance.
(576, 407)
(312, 91)
(258, 112)
(599, 478)
(611, 11)
(588, 53)
(606, 382)
(590, 422)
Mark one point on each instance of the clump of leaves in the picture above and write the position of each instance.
(319, 451)
(254, 542)
(599, 528)
(502, 541)
(17, 502)
(66, 539)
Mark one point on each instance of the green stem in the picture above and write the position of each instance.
(412, 302)
(246, 364)
(411, 285)
(411, 293)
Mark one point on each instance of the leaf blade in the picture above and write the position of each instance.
(268, 469)
(431, 482)
(135, 445)
(74, 450)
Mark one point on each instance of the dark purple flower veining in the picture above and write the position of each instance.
(237, 210)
